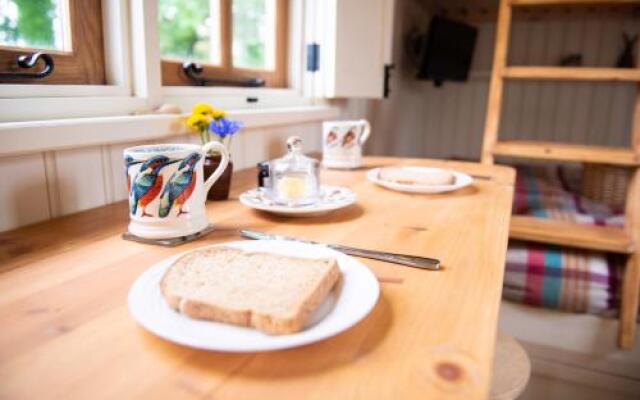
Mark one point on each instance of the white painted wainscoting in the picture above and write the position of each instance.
(422, 120)
(43, 185)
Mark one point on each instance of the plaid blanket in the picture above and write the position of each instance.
(563, 278)
(556, 277)
(553, 192)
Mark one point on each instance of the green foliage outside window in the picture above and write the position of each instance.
(248, 33)
(184, 29)
(28, 23)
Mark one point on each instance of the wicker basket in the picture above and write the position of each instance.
(606, 184)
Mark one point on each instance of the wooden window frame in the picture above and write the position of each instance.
(84, 64)
(172, 74)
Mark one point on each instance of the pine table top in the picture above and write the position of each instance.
(66, 332)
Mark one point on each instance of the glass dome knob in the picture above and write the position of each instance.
(294, 144)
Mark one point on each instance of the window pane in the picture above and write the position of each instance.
(38, 24)
(190, 30)
(254, 34)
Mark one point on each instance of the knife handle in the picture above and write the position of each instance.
(402, 259)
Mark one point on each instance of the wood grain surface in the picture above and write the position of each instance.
(544, 230)
(567, 152)
(631, 282)
(496, 84)
(572, 73)
(66, 332)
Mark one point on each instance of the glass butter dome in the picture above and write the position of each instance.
(294, 177)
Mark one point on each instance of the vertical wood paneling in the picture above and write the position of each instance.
(523, 115)
(107, 174)
(428, 124)
(53, 195)
(549, 90)
(256, 145)
(23, 191)
(449, 119)
(464, 130)
(46, 185)
(411, 103)
(480, 93)
(80, 179)
(237, 152)
(118, 179)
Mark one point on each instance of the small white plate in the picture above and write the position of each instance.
(349, 302)
(461, 180)
(331, 198)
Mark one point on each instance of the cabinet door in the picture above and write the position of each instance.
(355, 39)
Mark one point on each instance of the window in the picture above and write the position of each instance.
(70, 31)
(234, 40)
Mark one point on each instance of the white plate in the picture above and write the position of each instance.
(461, 180)
(348, 303)
(331, 198)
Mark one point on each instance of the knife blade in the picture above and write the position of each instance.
(401, 259)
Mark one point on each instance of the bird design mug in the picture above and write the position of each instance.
(342, 143)
(167, 190)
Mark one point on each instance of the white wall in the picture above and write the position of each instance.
(39, 186)
(424, 121)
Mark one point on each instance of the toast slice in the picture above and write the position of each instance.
(273, 293)
(416, 177)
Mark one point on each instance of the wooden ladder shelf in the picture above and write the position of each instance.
(567, 152)
(610, 239)
(604, 238)
(572, 73)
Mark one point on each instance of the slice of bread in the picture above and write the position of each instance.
(407, 176)
(273, 293)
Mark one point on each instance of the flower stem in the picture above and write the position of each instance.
(203, 138)
(228, 144)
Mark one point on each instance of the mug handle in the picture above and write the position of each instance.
(223, 162)
(366, 131)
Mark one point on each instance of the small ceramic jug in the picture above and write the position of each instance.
(167, 191)
(342, 143)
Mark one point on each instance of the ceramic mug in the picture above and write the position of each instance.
(342, 143)
(167, 190)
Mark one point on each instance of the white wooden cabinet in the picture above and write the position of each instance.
(354, 38)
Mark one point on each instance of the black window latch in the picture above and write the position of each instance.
(28, 61)
(193, 71)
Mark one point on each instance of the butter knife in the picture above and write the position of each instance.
(402, 259)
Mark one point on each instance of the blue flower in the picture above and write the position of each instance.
(224, 127)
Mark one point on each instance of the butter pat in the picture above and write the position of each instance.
(293, 187)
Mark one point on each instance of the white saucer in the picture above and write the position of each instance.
(461, 180)
(331, 198)
(349, 302)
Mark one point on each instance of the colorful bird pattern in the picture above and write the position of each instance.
(128, 162)
(147, 183)
(180, 186)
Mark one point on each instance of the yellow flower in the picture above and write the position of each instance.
(218, 113)
(202, 109)
(198, 122)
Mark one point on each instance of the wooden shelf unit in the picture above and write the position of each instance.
(558, 232)
(572, 73)
(563, 233)
(567, 152)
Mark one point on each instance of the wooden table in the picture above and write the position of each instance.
(66, 332)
